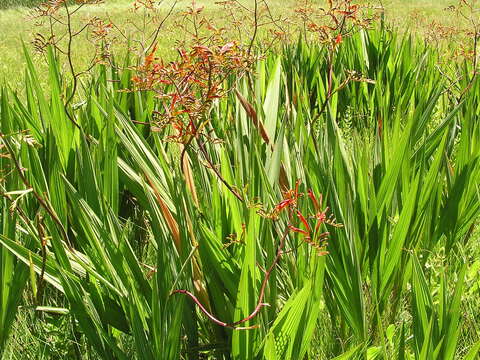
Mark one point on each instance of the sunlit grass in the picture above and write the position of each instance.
(394, 154)
(17, 26)
(406, 192)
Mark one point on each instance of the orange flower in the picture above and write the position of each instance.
(150, 57)
(338, 39)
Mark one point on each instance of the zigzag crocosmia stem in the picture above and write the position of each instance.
(261, 295)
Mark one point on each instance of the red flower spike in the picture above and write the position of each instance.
(282, 205)
(290, 198)
(303, 220)
(321, 217)
(311, 195)
(297, 230)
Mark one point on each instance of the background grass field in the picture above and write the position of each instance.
(17, 24)
(396, 157)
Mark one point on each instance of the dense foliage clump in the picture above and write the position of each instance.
(314, 196)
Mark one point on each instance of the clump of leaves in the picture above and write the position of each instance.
(309, 227)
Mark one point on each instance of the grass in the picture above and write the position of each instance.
(399, 279)
(18, 3)
(13, 62)
(400, 13)
(103, 223)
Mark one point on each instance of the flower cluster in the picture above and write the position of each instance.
(308, 226)
(58, 14)
(188, 86)
(338, 19)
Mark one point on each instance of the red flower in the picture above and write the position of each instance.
(303, 220)
(298, 230)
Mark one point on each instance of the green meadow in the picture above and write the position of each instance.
(402, 14)
(316, 199)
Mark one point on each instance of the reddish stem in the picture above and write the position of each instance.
(260, 302)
